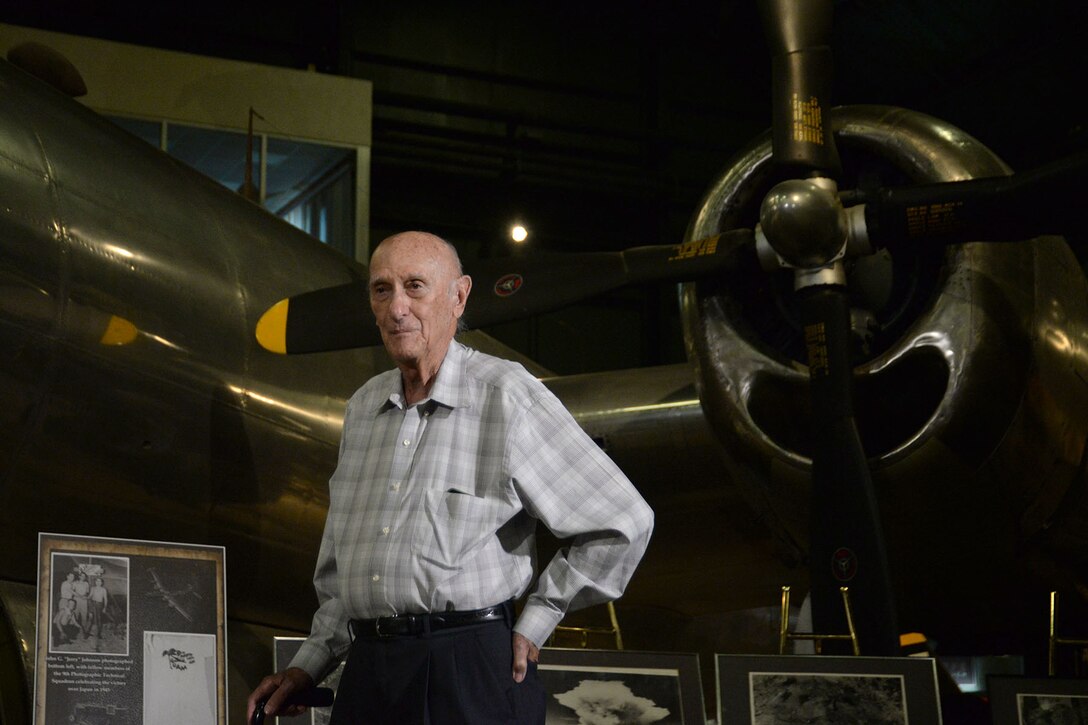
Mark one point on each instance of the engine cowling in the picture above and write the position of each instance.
(969, 386)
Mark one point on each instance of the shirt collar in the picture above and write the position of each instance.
(447, 390)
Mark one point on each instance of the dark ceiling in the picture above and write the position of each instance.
(600, 124)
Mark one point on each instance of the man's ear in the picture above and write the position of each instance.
(461, 288)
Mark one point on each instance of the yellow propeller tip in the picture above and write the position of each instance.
(119, 331)
(272, 328)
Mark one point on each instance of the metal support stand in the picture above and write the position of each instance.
(1055, 640)
(584, 632)
(784, 634)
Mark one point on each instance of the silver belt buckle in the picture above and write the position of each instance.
(378, 629)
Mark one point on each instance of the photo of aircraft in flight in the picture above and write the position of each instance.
(137, 402)
(172, 598)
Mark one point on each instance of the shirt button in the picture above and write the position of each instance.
(385, 531)
(375, 578)
(396, 486)
(406, 442)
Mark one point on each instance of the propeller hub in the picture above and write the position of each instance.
(804, 222)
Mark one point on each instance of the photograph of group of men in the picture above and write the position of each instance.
(91, 594)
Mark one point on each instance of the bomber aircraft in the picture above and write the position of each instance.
(171, 597)
(858, 349)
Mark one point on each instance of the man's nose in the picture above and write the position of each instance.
(398, 303)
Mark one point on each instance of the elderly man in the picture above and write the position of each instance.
(446, 463)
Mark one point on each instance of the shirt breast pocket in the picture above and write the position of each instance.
(453, 525)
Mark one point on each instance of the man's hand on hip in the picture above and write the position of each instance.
(524, 652)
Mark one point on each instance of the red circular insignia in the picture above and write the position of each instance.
(508, 284)
(844, 564)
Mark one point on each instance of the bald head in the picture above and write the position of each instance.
(439, 246)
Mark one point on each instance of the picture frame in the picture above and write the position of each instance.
(1024, 700)
(969, 672)
(129, 631)
(665, 685)
(765, 689)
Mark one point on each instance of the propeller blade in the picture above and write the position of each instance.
(847, 541)
(847, 546)
(978, 209)
(505, 289)
(799, 37)
(331, 318)
(512, 288)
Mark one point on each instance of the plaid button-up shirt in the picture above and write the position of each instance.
(433, 506)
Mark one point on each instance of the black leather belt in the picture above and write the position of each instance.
(402, 625)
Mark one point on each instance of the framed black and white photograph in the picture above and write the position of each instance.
(89, 612)
(128, 630)
(621, 686)
(831, 690)
(1018, 700)
(283, 651)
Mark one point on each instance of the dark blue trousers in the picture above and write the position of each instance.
(459, 676)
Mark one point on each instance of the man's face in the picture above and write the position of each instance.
(417, 297)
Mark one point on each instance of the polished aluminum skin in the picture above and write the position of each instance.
(973, 408)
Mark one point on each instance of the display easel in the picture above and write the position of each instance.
(584, 632)
(784, 634)
(1055, 640)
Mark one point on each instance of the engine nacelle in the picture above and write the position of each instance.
(970, 387)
